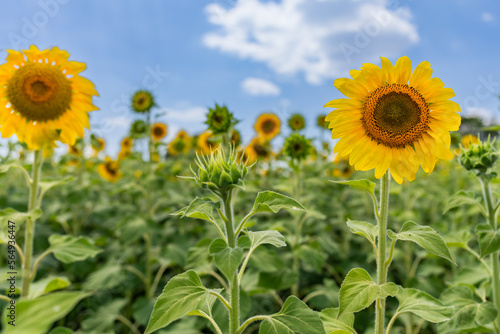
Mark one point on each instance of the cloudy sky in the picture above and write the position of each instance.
(256, 55)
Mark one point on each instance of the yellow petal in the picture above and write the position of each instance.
(421, 75)
(388, 70)
(351, 89)
(402, 70)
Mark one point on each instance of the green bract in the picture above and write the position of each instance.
(220, 172)
(219, 119)
(479, 158)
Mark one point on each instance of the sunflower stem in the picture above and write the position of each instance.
(495, 257)
(30, 224)
(382, 251)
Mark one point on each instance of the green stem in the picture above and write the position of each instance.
(382, 251)
(30, 224)
(234, 286)
(391, 323)
(249, 321)
(494, 256)
(147, 239)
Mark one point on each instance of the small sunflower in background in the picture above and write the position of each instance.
(44, 99)
(258, 148)
(181, 144)
(296, 122)
(469, 139)
(138, 129)
(393, 119)
(342, 167)
(127, 143)
(219, 119)
(142, 101)
(205, 143)
(321, 122)
(297, 147)
(98, 144)
(109, 170)
(235, 139)
(267, 126)
(159, 131)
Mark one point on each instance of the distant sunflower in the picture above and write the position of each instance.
(205, 144)
(110, 170)
(180, 145)
(127, 143)
(124, 153)
(258, 148)
(43, 97)
(159, 131)
(393, 119)
(469, 139)
(235, 138)
(142, 101)
(320, 122)
(296, 122)
(98, 144)
(297, 147)
(268, 126)
(219, 119)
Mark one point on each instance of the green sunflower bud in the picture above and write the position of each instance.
(479, 158)
(296, 122)
(297, 147)
(219, 119)
(138, 129)
(142, 101)
(219, 172)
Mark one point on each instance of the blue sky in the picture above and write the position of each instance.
(256, 55)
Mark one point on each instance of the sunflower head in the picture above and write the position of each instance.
(297, 147)
(321, 122)
(159, 131)
(479, 158)
(127, 143)
(267, 126)
(142, 101)
(180, 145)
(393, 119)
(235, 138)
(109, 170)
(205, 143)
(138, 129)
(219, 119)
(296, 122)
(219, 172)
(258, 149)
(43, 97)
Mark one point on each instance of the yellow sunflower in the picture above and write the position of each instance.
(204, 143)
(180, 145)
(43, 97)
(127, 144)
(110, 170)
(258, 148)
(393, 119)
(159, 131)
(98, 144)
(469, 139)
(268, 126)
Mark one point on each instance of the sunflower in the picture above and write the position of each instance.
(205, 144)
(393, 119)
(469, 139)
(267, 126)
(43, 97)
(159, 131)
(235, 139)
(139, 129)
(258, 148)
(97, 144)
(110, 170)
(142, 101)
(321, 123)
(297, 147)
(127, 143)
(296, 122)
(124, 153)
(219, 119)
(181, 144)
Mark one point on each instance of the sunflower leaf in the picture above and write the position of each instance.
(270, 201)
(362, 184)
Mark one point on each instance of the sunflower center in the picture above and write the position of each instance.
(39, 92)
(268, 126)
(179, 145)
(395, 115)
(112, 168)
(158, 131)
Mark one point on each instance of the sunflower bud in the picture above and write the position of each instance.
(479, 158)
(219, 119)
(297, 147)
(220, 172)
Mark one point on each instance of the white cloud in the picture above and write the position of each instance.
(487, 17)
(256, 86)
(487, 115)
(188, 118)
(321, 39)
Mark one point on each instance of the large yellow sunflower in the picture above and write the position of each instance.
(110, 170)
(159, 131)
(43, 99)
(268, 126)
(393, 119)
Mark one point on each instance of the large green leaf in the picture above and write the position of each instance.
(425, 237)
(182, 295)
(67, 248)
(48, 284)
(358, 291)
(102, 320)
(335, 324)
(362, 184)
(255, 239)
(423, 305)
(469, 313)
(36, 316)
(226, 258)
(269, 201)
(364, 229)
(293, 318)
(16, 218)
(489, 240)
(462, 197)
(199, 208)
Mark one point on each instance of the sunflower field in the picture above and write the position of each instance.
(389, 226)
